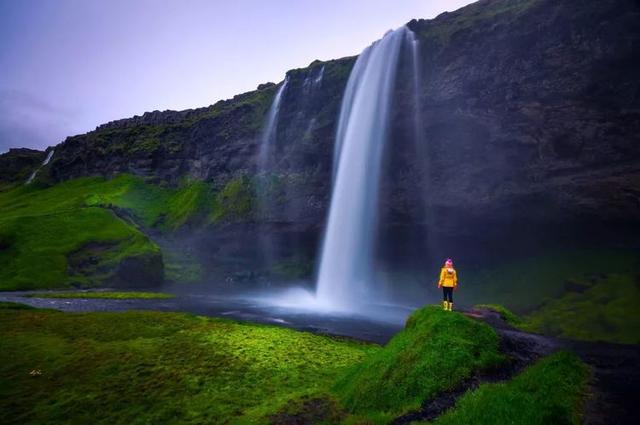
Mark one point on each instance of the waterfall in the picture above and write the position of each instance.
(270, 130)
(346, 265)
(417, 84)
(45, 162)
(313, 82)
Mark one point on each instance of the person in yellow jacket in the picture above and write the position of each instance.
(448, 282)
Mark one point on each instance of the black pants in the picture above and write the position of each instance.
(447, 293)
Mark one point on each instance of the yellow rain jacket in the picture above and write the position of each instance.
(448, 277)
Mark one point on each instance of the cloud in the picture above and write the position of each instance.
(28, 121)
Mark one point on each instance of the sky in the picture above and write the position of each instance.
(67, 66)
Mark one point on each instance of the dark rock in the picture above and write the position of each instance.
(17, 165)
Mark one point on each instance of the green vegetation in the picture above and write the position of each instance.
(102, 294)
(6, 305)
(549, 392)
(235, 201)
(604, 309)
(524, 284)
(78, 232)
(506, 314)
(35, 248)
(436, 351)
(150, 367)
(475, 16)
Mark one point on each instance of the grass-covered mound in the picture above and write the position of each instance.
(549, 392)
(113, 295)
(149, 367)
(436, 351)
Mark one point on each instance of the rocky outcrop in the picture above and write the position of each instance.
(529, 112)
(17, 164)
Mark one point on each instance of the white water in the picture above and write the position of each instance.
(417, 84)
(346, 267)
(45, 162)
(270, 129)
(313, 81)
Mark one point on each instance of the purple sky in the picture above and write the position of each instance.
(69, 65)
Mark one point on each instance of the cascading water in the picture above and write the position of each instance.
(346, 264)
(44, 163)
(270, 130)
(265, 168)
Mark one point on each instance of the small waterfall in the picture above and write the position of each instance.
(265, 168)
(270, 129)
(45, 162)
(313, 82)
(346, 265)
(317, 82)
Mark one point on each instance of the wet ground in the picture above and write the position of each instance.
(249, 310)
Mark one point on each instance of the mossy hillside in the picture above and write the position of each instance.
(436, 351)
(150, 367)
(523, 284)
(69, 234)
(235, 201)
(602, 310)
(444, 27)
(114, 295)
(549, 392)
(35, 248)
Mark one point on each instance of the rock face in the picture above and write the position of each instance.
(530, 113)
(17, 164)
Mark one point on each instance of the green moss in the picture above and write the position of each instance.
(507, 315)
(73, 234)
(523, 284)
(37, 256)
(549, 392)
(149, 367)
(475, 16)
(435, 352)
(235, 201)
(104, 294)
(605, 310)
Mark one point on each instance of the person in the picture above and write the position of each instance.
(448, 282)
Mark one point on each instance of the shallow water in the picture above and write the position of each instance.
(292, 309)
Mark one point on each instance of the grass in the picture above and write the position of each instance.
(71, 234)
(436, 351)
(523, 284)
(103, 294)
(35, 249)
(549, 392)
(151, 367)
(506, 315)
(604, 310)
(7, 305)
